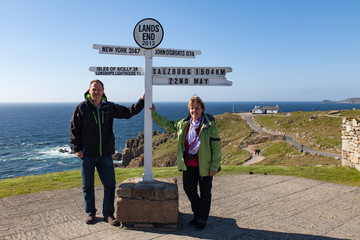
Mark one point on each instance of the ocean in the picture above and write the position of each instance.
(31, 134)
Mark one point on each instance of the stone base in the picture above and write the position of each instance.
(149, 205)
(152, 226)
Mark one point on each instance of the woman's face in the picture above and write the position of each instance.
(195, 111)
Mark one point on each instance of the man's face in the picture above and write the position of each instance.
(195, 111)
(96, 91)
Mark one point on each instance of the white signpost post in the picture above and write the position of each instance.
(148, 34)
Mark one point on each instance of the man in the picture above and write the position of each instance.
(93, 141)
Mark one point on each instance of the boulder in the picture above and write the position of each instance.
(117, 156)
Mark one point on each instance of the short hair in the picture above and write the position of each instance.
(97, 81)
(196, 99)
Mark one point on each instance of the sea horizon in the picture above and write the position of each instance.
(129, 101)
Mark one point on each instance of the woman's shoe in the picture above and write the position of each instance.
(200, 226)
(193, 222)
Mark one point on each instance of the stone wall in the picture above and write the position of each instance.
(351, 143)
(153, 205)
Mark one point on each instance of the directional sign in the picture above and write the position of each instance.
(136, 51)
(191, 81)
(177, 53)
(119, 50)
(209, 72)
(118, 71)
(148, 33)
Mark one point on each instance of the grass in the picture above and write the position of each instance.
(69, 179)
(320, 130)
(283, 154)
(340, 175)
(165, 151)
(314, 129)
(72, 179)
(232, 130)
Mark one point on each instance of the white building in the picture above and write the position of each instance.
(266, 109)
(257, 109)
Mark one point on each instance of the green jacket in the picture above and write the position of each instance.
(209, 153)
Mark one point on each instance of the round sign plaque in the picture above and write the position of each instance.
(148, 33)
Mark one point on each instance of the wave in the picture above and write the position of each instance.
(36, 169)
(60, 152)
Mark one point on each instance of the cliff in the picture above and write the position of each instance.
(351, 100)
(348, 100)
(132, 155)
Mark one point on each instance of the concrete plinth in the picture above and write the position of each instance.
(152, 204)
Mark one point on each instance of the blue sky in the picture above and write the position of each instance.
(279, 50)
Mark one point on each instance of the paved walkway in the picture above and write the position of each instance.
(254, 158)
(243, 207)
(248, 118)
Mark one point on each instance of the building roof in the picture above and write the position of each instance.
(271, 107)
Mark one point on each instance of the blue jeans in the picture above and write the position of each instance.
(105, 168)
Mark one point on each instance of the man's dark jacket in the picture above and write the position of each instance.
(91, 128)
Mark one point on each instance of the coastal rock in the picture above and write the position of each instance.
(66, 150)
(351, 100)
(334, 112)
(133, 149)
(133, 153)
(63, 150)
(117, 156)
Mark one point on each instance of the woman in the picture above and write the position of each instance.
(198, 156)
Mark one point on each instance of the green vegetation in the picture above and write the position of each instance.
(349, 113)
(280, 153)
(233, 130)
(320, 130)
(339, 175)
(72, 179)
(314, 129)
(164, 153)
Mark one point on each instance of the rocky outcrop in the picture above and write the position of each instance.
(133, 153)
(134, 148)
(348, 100)
(351, 100)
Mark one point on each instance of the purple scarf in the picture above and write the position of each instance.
(192, 137)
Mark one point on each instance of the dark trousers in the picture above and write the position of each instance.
(200, 205)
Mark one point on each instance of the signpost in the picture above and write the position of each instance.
(136, 51)
(191, 71)
(148, 34)
(177, 53)
(119, 50)
(190, 81)
(118, 71)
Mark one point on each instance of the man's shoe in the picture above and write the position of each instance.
(111, 220)
(90, 219)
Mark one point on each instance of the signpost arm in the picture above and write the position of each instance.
(148, 176)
